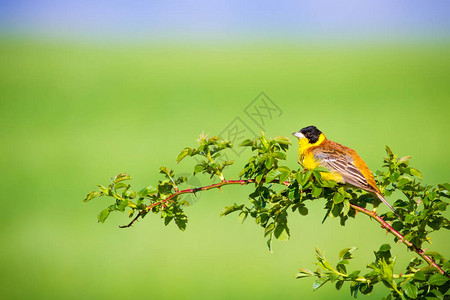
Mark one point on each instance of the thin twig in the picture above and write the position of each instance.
(193, 191)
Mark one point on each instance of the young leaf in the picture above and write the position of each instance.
(242, 217)
(181, 221)
(150, 190)
(410, 290)
(182, 154)
(282, 140)
(228, 210)
(346, 253)
(420, 275)
(281, 232)
(274, 173)
(103, 215)
(304, 273)
(121, 177)
(389, 152)
(91, 196)
(437, 279)
(385, 247)
(284, 176)
(319, 282)
(247, 143)
(415, 173)
(346, 208)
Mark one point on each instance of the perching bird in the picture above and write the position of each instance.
(344, 163)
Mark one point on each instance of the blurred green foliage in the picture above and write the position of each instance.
(72, 115)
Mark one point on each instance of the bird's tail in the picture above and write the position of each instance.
(387, 204)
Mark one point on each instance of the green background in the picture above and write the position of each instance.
(73, 116)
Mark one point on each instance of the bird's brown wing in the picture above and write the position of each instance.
(341, 161)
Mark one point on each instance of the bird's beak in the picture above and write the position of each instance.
(298, 134)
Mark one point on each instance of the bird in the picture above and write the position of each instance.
(344, 164)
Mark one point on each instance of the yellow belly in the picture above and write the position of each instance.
(333, 176)
(309, 163)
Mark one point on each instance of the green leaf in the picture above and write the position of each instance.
(150, 190)
(304, 273)
(269, 243)
(181, 221)
(403, 181)
(198, 168)
(316, 191)
(164, 170)
(269, 162)
(264, 141)
(104, 190)
(420, 275)
(259, 178)
(298, 176)
(354, 274)
(247, 143)
(322, 169)
(437, 279)
(284, 176)
(385, 247)
(228, 210)
(306, 177)
(182, 154)
(269, 229)
(404, 158)
(103, 215)
(389, 152)
(346, 208)
(121, 177)
(394, 176)
(339, 284)
(319, 282)
(120, 185)
(346, 253)
(279, 155)
(282, 140)
(283, 169)
(341, 268)
(129, 194)
(410, 290)
(415, 173)
(91, 196)
(338, 198)
(303, 210)
(274, 173)
(242, 216)
(434, 254)
(317, 175)
(445, 186)
(281, 232)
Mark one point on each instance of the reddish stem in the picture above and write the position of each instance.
(390, 229)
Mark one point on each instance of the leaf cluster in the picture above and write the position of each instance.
(418, 282)
(422, 206)
(280, 192)
(210, 151)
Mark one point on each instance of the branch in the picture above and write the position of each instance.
(192, 191)
(369, 213)
(391, 230)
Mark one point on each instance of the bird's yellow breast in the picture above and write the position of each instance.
(305, 157)
(308, 161)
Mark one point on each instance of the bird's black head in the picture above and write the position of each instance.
(310, 132)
